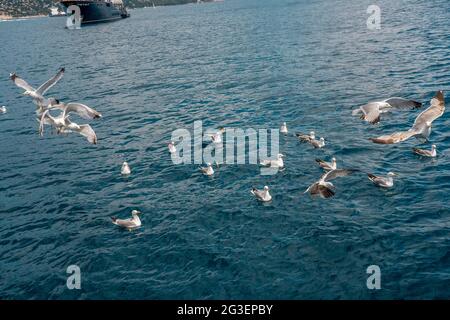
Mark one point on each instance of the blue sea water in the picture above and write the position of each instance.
(244, 64)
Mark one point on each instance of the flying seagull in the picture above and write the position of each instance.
(384, 182)
(262, 195)
(130, 223)
(327, 166)
(38, 94)
(64, 125)
(426, 153)
(323, 187)
(372, 111)
(422, 125)
(82, 110)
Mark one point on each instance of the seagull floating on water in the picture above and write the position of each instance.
(3, 109)
(422, 124)
(311, 138)
(38, 94)
(125, 170)
(323, 187)
(426, 153)
(208, 170)
(372, 111)
(283, 128)
(383, 182)
(327, 166)
(217, 137)
(262, 195)
(277, 163)
(130, 223)
(172, 148)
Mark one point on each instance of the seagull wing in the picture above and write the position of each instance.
(395, 137)
(333, 174)
(371, 112)
(125, 223)
(422, 152)
(82, 110)
(303, 137)
(51, 82)
(436, 110)
(403, 103)
(18, 81)
(87, 131)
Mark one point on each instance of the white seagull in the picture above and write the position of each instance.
(217, 137)
(130, 223)
(383, 182)
(125, 169)
(327, 166)
(422, 125)
(262, 195)
(3, 109)
(64, 125)
(323, 187)
(372, 111)
(277, 163)
(283, 128)
(172, 148)
(311, 138)
(426, 153)
(208, 170)
(38, 94)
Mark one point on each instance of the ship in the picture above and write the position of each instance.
(95, 11)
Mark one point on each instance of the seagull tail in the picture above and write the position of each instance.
(114, 219)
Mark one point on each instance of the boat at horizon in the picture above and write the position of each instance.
(96, 11)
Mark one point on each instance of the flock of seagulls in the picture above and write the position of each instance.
(45, 106)
(323, 187)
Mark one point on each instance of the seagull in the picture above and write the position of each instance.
(277, 163)
(3, 109)
(311, 138)
(64, 125)
(283, 128)
(372, 111)
(323, 187)
(384, 182)
(422, 125)
(305, 137)
(426, 153)
(217, 137)
(125, 170)
(38, 94)
(262, 195)
(81, 110)
(172, 148)
(327, 166)
(130, 223)
(208, 170)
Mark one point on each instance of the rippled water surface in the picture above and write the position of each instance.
(245, 64)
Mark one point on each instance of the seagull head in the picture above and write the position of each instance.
(209, 164)
(125, 164)
(312, 134)
(135, 213)
(266, 188)
(280, 155)
(391, 174)
(322, 139)
(284, 124)
(433, 147)
(333, 159)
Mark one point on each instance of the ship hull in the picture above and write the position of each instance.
(98, 11)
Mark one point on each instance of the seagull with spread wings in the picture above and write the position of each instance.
(323, 187)
(422, 125)
(38, 94)
(372, 111)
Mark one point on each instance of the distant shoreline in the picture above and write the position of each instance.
(6, 17)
